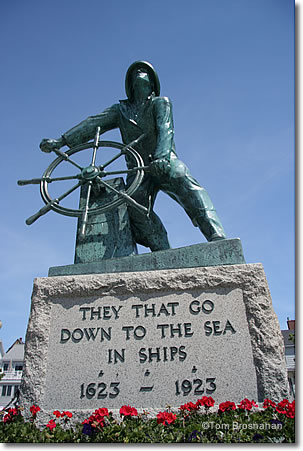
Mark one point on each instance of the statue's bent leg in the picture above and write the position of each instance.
(147, 231)
(182, 187)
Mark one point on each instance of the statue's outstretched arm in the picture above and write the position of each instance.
(84, 131)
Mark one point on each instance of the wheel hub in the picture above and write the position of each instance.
(89, 173)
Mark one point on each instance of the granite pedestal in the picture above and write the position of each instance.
(152, 339)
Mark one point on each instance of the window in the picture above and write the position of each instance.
(19, 367)
(16, 388)
(9, 390)
(5, 367)
(4, 390)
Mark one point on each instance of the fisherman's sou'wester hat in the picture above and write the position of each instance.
(151, 72)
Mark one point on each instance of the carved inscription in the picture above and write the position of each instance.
(149, 349)
(138, 332)
(196, 386)
(99, 390)
(160, 333)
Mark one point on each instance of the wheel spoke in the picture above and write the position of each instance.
(125, 196)
(47, 179)
(126, 171)
(68, 177)
(66, 158)
(102, 166)
(85, 212)
(73, 188)
(96, 145)
(132, 143)
(49, 205)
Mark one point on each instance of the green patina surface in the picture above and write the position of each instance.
(222, 252)
(108, 234)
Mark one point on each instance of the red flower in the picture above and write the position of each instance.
(51, 424)
(67, 413)
(246, 404)
(58, 414)
(10, 414)
(290, 412)
(190, 406)
(166, 418)
(206, 401)
(34, 410)
(103, 412)
(96, 422)
(268, 403)
(282, 406)
(97, 418)
(128, 411)
(227, 406)
(287, 408)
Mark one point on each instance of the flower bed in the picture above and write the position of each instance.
(191, 423)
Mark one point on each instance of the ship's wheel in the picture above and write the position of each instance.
(94, 176)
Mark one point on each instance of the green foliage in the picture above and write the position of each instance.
(196, 426)
(292, 337)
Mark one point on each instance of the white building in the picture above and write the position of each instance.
(11, 366)
(290, 356)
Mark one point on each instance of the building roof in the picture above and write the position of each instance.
(286, 333)
(15, 352)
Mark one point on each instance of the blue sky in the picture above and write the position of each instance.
(227, 66)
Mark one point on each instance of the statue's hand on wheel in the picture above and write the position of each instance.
(48, 145)
(160, 167)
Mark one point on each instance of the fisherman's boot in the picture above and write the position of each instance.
(210, 225)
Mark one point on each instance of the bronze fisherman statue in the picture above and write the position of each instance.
(144, 111)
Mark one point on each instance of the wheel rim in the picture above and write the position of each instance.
(106, 207)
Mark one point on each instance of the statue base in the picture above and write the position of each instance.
(215, 253)
(152, 339)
